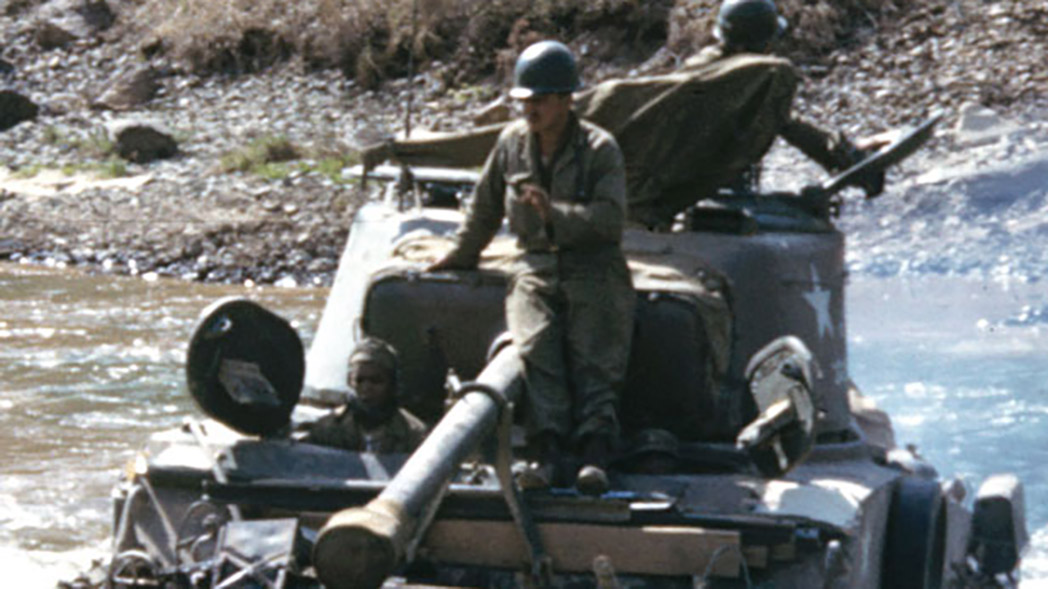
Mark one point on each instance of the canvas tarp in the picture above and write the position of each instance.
(683, 135)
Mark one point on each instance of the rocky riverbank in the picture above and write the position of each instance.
(257, 192)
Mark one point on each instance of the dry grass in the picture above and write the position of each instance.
(371, 40)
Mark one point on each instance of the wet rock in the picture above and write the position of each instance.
(15, 108)
(141, 141)
(130, 89)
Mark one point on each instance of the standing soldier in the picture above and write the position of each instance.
(372, 420)
(560, 182)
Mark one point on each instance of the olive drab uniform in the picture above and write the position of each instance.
(402, 432)
(570, 302)
(683, 135)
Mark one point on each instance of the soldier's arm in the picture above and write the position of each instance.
(483, 217)
(601, 217)
(831, 150)
(834, 152)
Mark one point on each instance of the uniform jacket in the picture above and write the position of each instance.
(587, 186)
(402, 432)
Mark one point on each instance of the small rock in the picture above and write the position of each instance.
(15, 108)
(9, 247)
(130, 89)
(96, 15)
(49, 35)
(976, 118)
(63, 103)
(141, 142)
(979, 125)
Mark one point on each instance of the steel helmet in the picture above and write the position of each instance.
(546, 67)
(749, 24)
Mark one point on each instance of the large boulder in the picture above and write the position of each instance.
(132, 88)
(141, 141)
(15, 108)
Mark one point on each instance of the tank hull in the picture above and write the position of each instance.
(206, 506)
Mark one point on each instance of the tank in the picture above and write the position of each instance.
(748, 459)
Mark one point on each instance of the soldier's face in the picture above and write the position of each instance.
(546, 112)
(372, 383)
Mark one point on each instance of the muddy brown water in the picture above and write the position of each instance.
(90, 366)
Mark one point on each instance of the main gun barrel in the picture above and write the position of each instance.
(360, 547)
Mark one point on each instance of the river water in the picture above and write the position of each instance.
(91, 366)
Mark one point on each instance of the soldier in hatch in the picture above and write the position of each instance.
(686, 134)
(372, 420)
(560, 182)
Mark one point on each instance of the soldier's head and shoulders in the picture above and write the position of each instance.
(548, 70)
(745, 29)
(372, 418)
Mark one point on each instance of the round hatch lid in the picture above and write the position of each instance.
(245, 366)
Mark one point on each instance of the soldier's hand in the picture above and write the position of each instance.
(534, 196)
(871, 183)
(869, 145)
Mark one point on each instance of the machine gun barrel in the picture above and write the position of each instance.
(361, 546)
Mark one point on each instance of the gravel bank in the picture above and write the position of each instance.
(188, 218)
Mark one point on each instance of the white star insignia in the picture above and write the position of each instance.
(818, 299)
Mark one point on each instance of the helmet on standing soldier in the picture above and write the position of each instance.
(546, 67)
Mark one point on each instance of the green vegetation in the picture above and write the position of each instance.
(261, 152)
(30, 171)
(273, 158)
(332, 166)
(112, 167)
(96, 144)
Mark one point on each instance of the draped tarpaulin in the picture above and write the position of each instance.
(683, 134)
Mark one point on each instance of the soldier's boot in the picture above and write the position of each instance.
(592, 478)
(542, 472)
